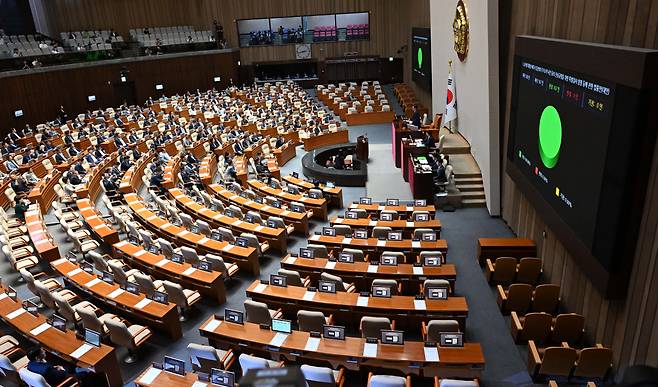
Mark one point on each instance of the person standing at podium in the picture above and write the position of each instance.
(415, 117)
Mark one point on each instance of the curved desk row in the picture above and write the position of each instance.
(336, 193)
(409, 358)
(43, 242)
(349, 308)
(96, 223)
(92, 187)
(318, 206)
(406, 227)
(362, 273)
(245, 257)
(161, 317)
(340, 136)
(403, 211)
(65, 345)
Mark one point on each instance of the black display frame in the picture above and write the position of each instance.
(426, 32)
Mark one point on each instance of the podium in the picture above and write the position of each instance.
(362, 148)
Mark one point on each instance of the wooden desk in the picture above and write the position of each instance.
(43, 242)
(96, 223)
(376, 117)
(421, 181)
(466, 362)
(347, 307)
(362, 273)
(245, 257)
(62, 344)
(284, 154)
(160, 317)
(409, 149)
(375, 247)
(318, 206)
(403, 211)
(167, 379)
(336, 193)
(326, 138)
(297, 219)
(207, 283)
(133, 176)
(4, 200)
(92, 187)
(43, 192)
(276, 237)
(406, 227)
(492, 248)
(242, 169)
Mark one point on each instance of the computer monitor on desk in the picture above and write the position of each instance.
(222, 378)
(173, 365)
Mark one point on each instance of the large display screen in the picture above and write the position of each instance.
(562, 126)
(421, 71)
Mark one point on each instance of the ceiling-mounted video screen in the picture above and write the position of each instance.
(304, 29)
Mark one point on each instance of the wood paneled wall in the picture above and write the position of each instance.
(40, 94)
(390, 22)
(630, 325)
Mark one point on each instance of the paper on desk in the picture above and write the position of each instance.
(431, 354)
(15, 313)
(140, 253)
(41, 328)
(362, 301)
(418, 270)
(312, 344)
(74, 272)
(93, 282)
(259, 288)
(410, 224)
(308, 296)
(338, 220)
(410, 208)
(189, 271)
(291, 260)
(203, 240)
(116, 293)
(278, 339)
(415, 244)
(59, 261)
(420, 305)
(258, 228)
(381, 243)
(161, 262)
(3, 296)
(142, 303)
(84, 348)
(347, 241)
(150, 376)
(369, 350)
(211, 326)
(330, 265)
(227, 248)
(373, 268)
(314, 237)
(199, 384)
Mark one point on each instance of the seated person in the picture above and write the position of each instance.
(20, 208)
(20, 186)
(54, 374)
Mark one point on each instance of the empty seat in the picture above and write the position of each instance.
(92, 321)
(217, 263)
(248, 362)
(183, 298)
(312, 321)
(388, 381)
(205, 357)
(552, 361)
(528, 270)
(534, 326)
(568, 328)
(381, 232)
(259, 313)
(433, 328)
(593, 362)
(400, 257)
(293, 278)
(546, 298)
(147, 285)
(503, 270)
(393, 285)
(319, 251)
(455, 382)
(340, 285)
(322, 376)
(516, 298)
(356, 253)
(372, 326)
(131, 337)
(342, 229)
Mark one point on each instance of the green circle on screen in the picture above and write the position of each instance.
(420, 57)
(550, 136)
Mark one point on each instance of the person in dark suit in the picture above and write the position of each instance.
(415, 117)
(11, 165)
(14, 135)
(429, 140)
(68, 139)
(191, 159)
(19, 185)
(118, 141)
(73, 151)
(79, 168)
(54, 374)
(60, 158)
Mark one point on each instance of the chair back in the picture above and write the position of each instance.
(340, 285)
(204, 227)
(32, 379)
(356, 253)
(319, 251)
(145, 283)
(227, 235)
(90, 320)
(504, 269)
(518, 298)
(175, 293)
(558, 361)
(8, 372)
(310, 321)
(418, 233)
(437, 283)
(457, 383)
(389, 283)
(528, 270)
(248, 362)
(166, 247)
(436, 327)
(342, 229)
(118, 273)
(278, 222)
(292, 277)
(387, 381)
(252, 241)
(119, 334)
(381, 232)
(190, 255)
(64, 308)
(568, 327)
(203, 358)
(593, 362)
(318, 376)
(546, 298)
(29, 281)
(187, 220)
(371, 326)
(255, 216)
(257, 312)
(537, 326)
(44, 295)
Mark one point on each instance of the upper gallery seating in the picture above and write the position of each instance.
(169, 36)
(15, 46)
(90, 40)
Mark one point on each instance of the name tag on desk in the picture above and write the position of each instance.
(182, 233)
(258, 228)
(116, 293)
(278, 339)
(330, 265)
(415, 244)
(74, 272)
(373, 268)
(150, 376)
(211, 326)
(418, 270)
(41, 328)
(347, 241)
(381, 243)
(420, 305)
(362, 301)
(189, 271)
(120, 244)
(59, 261)
(140, 253)
(369, 350)
(431, 354)
(142, 303)
(203, 240)
(410, 224)
(15, 313)
(338, 220)
(161, 262)
(312, 344)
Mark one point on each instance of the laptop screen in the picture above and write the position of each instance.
(177, 257)
(59, 322)
(389, 260)
(365, 200)
(326, 286)
(107, 277)
(222, 378)
(420, 202)
(31, 307)
(283, 326)
(392, 337)
(351, 215)
(429, 237)
(451, 339)
(234, 316)
(346, 257)
(392, 202)
(278, 280)
(436, 292)
(132, 287)
(394, 236)
(381, 291)
(173, 365)
(333, 332)
(306, 253)
(11, 293)
(160, 297)
(328, 231)
(386, 217)
(360, 234)
(432, 260)
(92, 337)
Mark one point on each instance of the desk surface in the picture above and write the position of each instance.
(155, 377)
(406, 245)
(402, 210)
(434, 224)
(41, 239)
(104, 231)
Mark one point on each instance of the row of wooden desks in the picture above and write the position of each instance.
(298, 219)
(363, 273)
(285, 153)
(376, 246)
(403, 211)
(245, 257)
(65, 345)
(43, 191)
(277, 237)
(325, 139)
(492, 248)
(161, 317)
(43, 242)
(335, 194)
(405, 226)
(318, 206)
(96, 223)
(348, 308)
(93, 187)
(353, 353)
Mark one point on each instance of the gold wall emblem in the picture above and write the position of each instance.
(460, 31)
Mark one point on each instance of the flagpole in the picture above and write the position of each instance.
(450, 71)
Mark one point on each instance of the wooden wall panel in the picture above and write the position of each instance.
(628, 325)
(41, 93)
(390, 22)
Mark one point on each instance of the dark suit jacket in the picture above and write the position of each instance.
(52, 375)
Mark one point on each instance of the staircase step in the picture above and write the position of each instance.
(473, 195)
(474, 203)
(469, 187)
(468, 180)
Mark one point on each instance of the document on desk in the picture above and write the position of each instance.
(93, 282)
(84, 348)
(199, 384)
(203, 240)
(362, 301)
(415, 244)
(347, 241)
(15, 313)
(330, 265)
(418, 270)
(369, 350)
(3, 296)
(259, 288)
(74, 272)
(314, 237)
(211, 326)
(338, 220)
(41, 328)
(140, 253)
(309, 296)
(373, 268)
(258, 228)
(161, 262)
(150, 376)
(278, 339)
(189, 271)
(59, 261)
(431, 354)
(312, 344)
(381, 243)
(291, 260)
(142, 303)
(372, 223)
(420, 305)
(116, 293)
(227, 248)
(410, 208)
(410, 224)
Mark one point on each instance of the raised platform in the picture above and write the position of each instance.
(313, 166)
